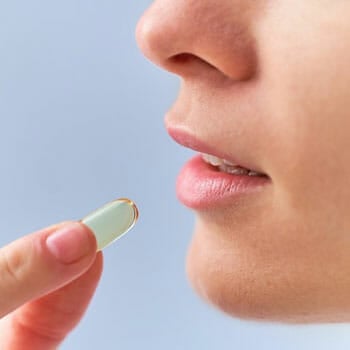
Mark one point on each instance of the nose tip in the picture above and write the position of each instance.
(156, 36)
(189, 39)
(148, 38)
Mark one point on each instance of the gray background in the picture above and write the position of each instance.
(82, 124)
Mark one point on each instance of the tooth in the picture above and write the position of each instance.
(215, 161)
(236, 170)
(227, 162)
(227, 166)
(253, 173)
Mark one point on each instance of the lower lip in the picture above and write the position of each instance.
(201, 186)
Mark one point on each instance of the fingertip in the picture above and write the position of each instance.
(71, 243)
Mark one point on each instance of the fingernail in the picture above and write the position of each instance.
(70, 243)
(111, 221)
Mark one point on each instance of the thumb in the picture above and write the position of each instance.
(43, 261)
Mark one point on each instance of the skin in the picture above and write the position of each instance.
(268, 81)
(46, 288)
(275, 76)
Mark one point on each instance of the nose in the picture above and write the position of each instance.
(188, 37)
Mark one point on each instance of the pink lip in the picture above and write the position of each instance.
(187, 140)
(201, 186)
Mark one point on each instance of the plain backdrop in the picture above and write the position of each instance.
(82, 124)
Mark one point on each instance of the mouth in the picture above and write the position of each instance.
(213, 178)
(228, 167)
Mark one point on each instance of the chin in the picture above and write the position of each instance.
(245, 286)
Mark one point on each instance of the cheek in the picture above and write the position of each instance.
(305, 83)
(306, 92)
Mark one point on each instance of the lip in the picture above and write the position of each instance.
(186, 139)
(201, 186)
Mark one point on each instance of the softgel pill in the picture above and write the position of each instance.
(111, 221)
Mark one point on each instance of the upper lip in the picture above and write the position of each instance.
(187, 139)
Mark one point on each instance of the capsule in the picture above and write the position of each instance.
(111, 221)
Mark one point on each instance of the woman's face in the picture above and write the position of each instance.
(265, 85)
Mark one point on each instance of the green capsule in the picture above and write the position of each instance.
(111, 221)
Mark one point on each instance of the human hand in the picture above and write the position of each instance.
(46, 282)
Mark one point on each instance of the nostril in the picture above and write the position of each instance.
(188, 59)
(187, 64)
(183, 58)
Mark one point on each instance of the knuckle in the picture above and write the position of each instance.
(12, 265)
